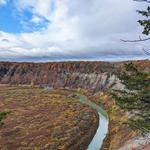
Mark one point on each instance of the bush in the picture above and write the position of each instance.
(3, 116)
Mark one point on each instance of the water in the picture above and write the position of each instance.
(100, 135)
(102, 130)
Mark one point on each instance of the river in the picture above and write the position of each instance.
(102, 130)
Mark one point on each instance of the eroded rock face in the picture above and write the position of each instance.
(91, 75)
(99, 81)
(69, 74)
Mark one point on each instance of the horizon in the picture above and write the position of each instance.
(71, 60)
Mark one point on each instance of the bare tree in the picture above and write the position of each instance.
(145, 24)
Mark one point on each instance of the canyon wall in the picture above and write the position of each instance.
(91, 75)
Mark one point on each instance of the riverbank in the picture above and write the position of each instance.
(102, 130)
(119, 133)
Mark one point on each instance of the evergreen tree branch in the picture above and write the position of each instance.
(147, 1)
(146, 52)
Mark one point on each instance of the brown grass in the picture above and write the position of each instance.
(42, 119)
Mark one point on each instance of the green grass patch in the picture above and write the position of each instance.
(3, 115)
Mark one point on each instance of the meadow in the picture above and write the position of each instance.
(37, 118)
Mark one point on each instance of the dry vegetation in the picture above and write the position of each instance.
(44, 119)
(119, 132)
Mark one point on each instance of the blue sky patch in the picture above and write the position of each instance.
(13, 21)
(9, 23)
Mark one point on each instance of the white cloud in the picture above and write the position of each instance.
(36, 19)
(38, 7)
(3, 2)
(76, 29)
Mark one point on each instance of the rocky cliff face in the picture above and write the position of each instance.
(93, 75)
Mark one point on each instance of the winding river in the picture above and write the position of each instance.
(102, 130)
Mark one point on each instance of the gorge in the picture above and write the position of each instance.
(92, 79)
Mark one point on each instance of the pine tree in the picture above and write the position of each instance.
(135, 97)
(145, 22)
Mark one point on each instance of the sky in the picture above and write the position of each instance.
(62, 30)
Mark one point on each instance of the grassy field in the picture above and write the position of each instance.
(44, 119)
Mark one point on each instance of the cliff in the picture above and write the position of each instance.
(90, 75)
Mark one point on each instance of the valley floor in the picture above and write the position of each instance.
(44, 119)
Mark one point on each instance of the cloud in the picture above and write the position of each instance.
(76, 30)
(5, 40)
(3, 2)
(36, 19)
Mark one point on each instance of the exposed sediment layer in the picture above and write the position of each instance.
(91, 75)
